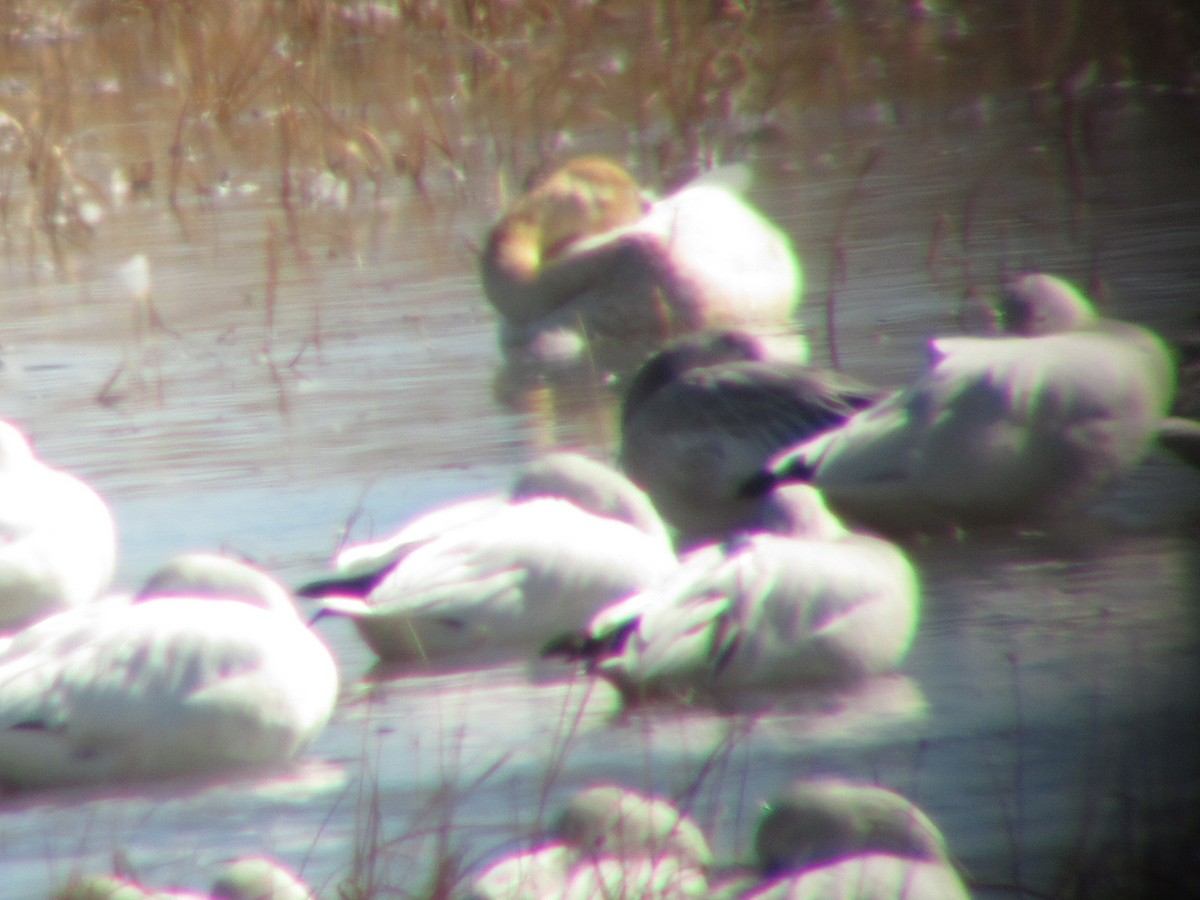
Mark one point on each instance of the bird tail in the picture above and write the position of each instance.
(790, 467)
(582, 647)
(359, 585)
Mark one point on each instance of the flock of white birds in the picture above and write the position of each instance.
(737, 547)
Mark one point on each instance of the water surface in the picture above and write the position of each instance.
(1046, 718)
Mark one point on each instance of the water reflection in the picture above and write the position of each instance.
(1046, 717)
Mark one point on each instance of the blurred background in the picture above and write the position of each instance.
(240, 296)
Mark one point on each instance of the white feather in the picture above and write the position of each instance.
(608, 842)
(1004, 429)
(173, 683)
(814, 605)
(581, 254)
(57, 536)
(827, 839)
(573, 536)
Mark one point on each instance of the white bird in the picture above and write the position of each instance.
(58, 541)
(582, 266)
(708, 411)
(800, 602)
(210, 668)
(608, 842)
(827, 839)
(1021, 428)
(503, 574)
(610, 820)
(259, 878)
(249, 878)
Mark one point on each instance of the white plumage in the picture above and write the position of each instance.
(582, 267)
(827, 839)
(802, 602)
(249, 878)
(210, 668)
(608, 842)
(1020, 428)
(506, 574)
(58, 541)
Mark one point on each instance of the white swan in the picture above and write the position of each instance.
(708, 411)
(609, 841)
(249, 878)
(58, 542)
(581, 266)
(802, 602)
(209, 668)
(1020, 428)
(259, 878)
(828, 839)
(503, 574)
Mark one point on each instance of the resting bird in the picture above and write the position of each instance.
(209, 669)
(1017, 429)
(58, 541)
(608, 842)
(802, 602)
(582, 268)
(827, 839)
(707, 412)
(250, 878)
(506, 574)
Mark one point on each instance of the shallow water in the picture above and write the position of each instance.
(1046, 718)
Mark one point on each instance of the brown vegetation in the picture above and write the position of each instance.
(446, 96)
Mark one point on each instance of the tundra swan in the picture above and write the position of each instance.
(209, 668)
(708, 411)
(584, 267)
(1020, 428)
(801, 601)
(505, 573)
(249, 878)
(609, 841)
(58, 541)
(828, 839)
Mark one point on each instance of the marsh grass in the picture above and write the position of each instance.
(344, 112)
(422, 853)
(353, 115)
(430, 851)
(439, 95)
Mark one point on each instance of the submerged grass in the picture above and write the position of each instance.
(341, 109)
(351, 116)
(365, 96)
